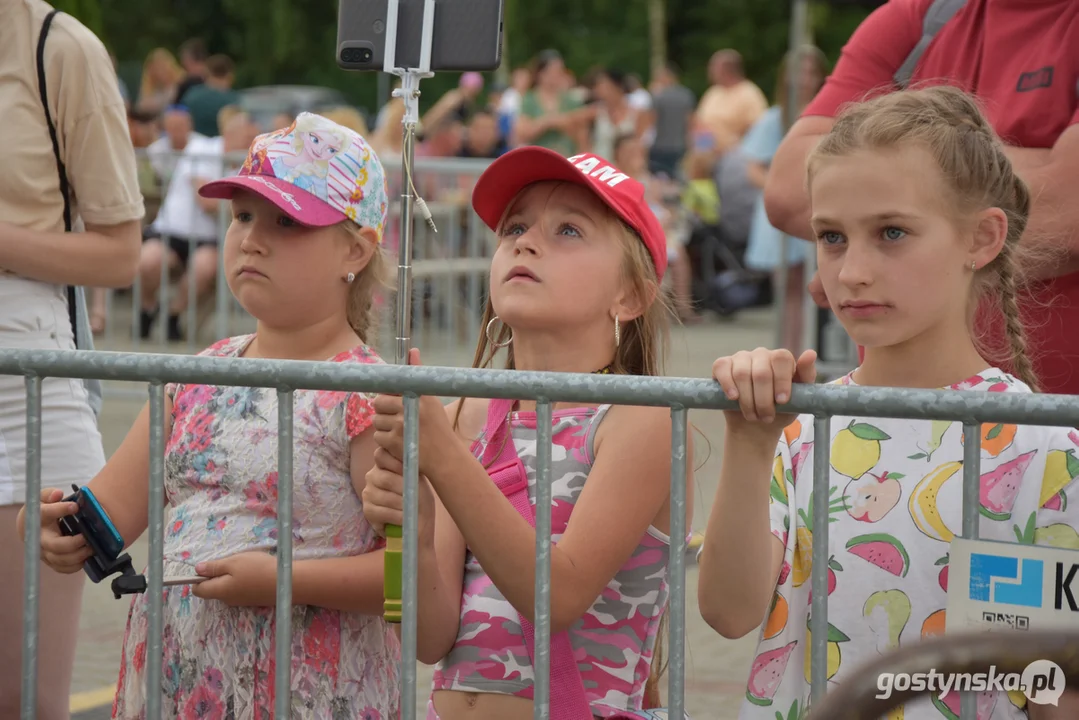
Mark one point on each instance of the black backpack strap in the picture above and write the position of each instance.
(936, 17)
(65, 188)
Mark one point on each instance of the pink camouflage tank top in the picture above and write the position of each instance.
(613, 641)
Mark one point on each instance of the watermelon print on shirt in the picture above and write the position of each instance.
(894, 505)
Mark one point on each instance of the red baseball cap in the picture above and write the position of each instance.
(519, 168)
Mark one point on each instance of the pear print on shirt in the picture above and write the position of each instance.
(1058, 535)
(938, 428)
(887, 612)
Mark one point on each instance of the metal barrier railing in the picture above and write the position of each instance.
(449, 268)
(679, 394)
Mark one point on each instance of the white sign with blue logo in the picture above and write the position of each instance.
(1005, 586)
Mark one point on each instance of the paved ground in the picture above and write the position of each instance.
(716, 669)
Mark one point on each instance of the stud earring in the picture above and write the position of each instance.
(974, 266)
(350, 277)
(617, 331)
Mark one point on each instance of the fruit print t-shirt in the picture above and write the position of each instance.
(895, 500)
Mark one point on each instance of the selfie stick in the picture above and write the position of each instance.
(409, 92)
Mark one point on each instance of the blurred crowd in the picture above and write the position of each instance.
(703, 161)
(188, 126)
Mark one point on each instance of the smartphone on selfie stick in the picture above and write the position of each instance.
(467, 35)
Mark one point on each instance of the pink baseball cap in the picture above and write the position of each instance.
(315, 171)
(513, 172)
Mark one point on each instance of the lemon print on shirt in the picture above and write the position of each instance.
(1061, 468)
(856, 449)
(835, 655)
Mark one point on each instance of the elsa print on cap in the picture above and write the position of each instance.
(314, 148)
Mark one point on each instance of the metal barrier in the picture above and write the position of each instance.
(679, 394)
(450, 267)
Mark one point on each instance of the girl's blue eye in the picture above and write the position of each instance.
(243, 216)
(830, 238)
(286, 221)
(570, 228)
(513, 229)
(893, 233)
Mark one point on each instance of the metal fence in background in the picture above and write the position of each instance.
(679, 394)
(450, 266)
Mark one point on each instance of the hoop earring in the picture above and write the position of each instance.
(491, 339)
(350, 278)
(617, 331)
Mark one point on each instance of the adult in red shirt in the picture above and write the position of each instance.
(1021, 58)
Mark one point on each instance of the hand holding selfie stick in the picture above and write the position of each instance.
(409, 92)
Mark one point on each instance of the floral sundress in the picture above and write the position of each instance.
(221, 494)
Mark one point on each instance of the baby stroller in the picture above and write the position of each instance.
(721, 282)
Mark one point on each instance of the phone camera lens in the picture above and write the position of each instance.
(357, 55)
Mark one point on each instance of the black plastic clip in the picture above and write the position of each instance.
(129, 582)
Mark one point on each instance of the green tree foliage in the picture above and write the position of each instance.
(293, 41)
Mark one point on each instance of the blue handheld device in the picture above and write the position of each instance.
(93, 523)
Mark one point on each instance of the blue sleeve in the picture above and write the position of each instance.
(763, 139)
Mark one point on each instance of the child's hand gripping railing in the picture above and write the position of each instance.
(856, 698)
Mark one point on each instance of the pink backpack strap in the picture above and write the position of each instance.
(507, 470)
